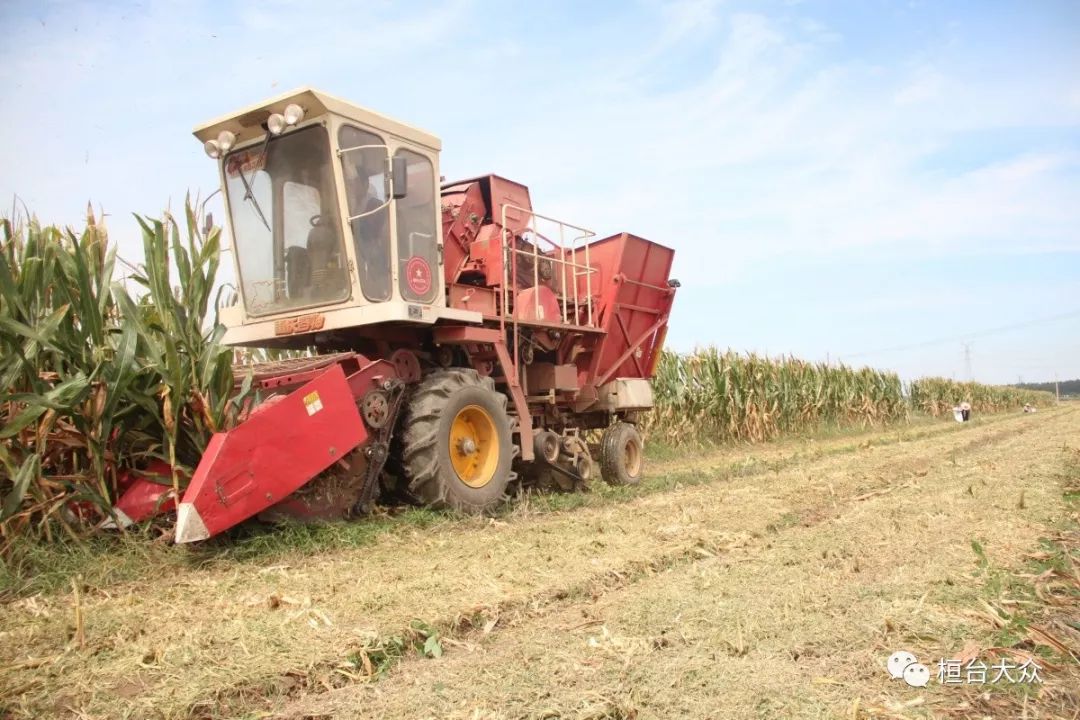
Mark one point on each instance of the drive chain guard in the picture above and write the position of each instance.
(378, 450)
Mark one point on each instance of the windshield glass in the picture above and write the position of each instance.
(286, 231)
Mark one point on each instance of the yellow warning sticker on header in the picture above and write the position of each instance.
(312, 403)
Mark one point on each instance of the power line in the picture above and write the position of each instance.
(965, 336)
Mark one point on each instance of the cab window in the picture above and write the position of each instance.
(365, 173)
(285, 223)
(416, 231)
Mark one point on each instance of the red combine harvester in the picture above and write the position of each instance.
(463, 339)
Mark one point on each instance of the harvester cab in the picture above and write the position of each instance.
(334, 217)
(465, 344)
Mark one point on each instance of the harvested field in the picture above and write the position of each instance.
(764, 582)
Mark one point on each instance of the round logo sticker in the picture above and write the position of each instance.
(418, 275)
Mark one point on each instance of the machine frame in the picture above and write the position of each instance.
(536, 333)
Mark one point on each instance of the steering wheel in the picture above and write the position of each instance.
(315, 220)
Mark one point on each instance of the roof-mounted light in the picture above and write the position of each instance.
(276, 124)
(212, 149)
(293, 114)
(225, 140)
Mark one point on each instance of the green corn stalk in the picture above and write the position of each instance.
(938, 396)
(714, 396)
(93, 380)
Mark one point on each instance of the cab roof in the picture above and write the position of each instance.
(247, 122)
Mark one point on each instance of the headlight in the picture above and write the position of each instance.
(212, 148)
(275, 123)
(293, 114)
(226, 140)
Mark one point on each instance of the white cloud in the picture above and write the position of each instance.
(925, 86)
(775, 151)
(681, 21)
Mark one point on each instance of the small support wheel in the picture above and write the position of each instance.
(583, 467)
(622, 455)
(546, 446)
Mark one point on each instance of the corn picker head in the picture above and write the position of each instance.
(483, 338)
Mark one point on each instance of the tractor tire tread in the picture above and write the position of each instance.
(427, 481)
(612, 465)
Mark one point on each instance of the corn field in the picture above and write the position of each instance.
(714, 396)
(938, 396)
(94, 381)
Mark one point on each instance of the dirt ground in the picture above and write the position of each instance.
(769, 582)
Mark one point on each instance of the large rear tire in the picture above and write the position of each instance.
(622, 455)
(456, 448)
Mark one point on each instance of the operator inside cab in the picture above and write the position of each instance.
(369, 212)
(313, 258)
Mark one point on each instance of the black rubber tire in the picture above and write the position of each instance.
(426, 440)
(617, 440)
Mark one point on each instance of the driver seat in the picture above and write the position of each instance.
(298, 271)
(322, 250)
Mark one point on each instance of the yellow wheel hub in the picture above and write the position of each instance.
(474, 446)
(632, 457)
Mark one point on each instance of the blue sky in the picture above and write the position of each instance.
(869, 181)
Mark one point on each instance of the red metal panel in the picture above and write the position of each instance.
(277, 450)
(375, 373)
(538, 304)
(497, 192)
(144, 498)
(509, 195)
(631, 302)
(644, 299)
(486, 255)
(471, 297)
(457, 334)
(463, 214)
(543, 376)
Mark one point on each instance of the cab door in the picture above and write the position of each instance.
(419, 274)
(364, 165)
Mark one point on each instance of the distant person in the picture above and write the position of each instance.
(965, 410)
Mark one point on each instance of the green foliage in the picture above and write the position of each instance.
(980, 554)
(432, 646)
(95, 381)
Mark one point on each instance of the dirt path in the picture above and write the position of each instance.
(772, 593)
